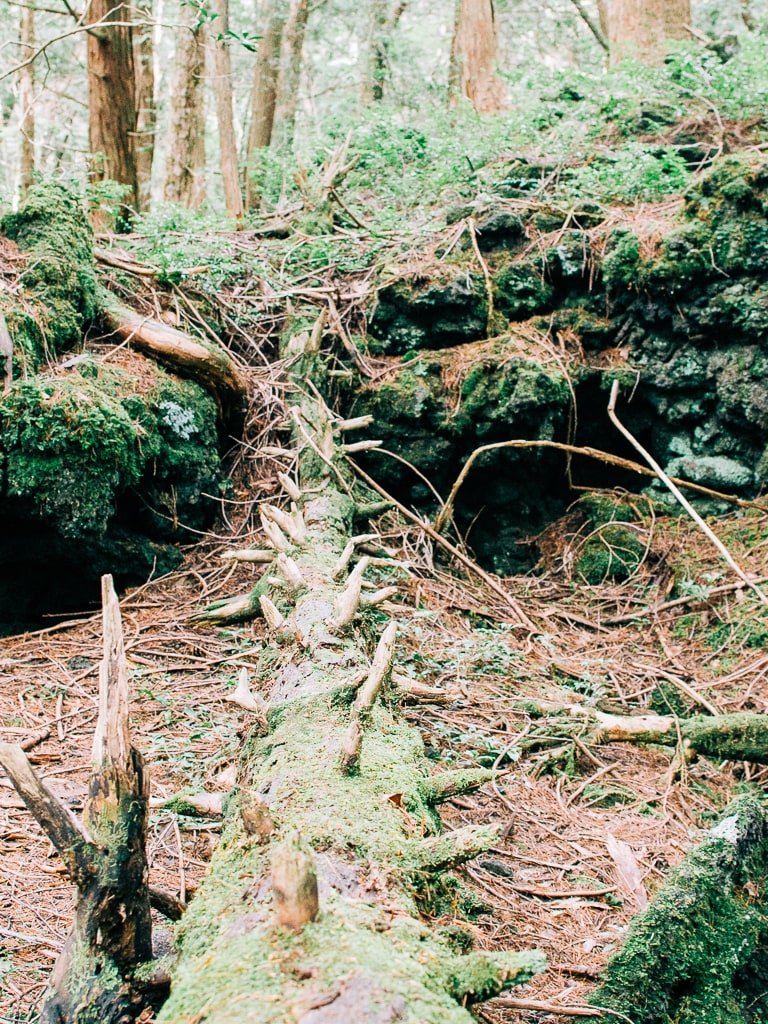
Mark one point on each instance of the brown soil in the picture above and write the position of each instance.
(557, 880)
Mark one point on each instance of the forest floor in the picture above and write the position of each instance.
(590, 830)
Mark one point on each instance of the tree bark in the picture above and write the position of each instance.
(27, 99)
(697, 952)
(222, 64)
(185, 162)
(310, 912)
(112, 96)
(290, 73)
(264, 95)
(146, 115)
(473, 74)
(382, 21)
(105, 856)
(642, 29)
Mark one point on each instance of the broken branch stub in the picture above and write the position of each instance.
(95, 977)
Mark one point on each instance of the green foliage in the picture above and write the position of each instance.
(634, 172)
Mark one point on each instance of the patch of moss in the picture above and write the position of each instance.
(692, 957)
(72, 444)
(52, 228)
(521, 290)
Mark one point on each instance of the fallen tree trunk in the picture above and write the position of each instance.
(742, 736)
(310, 912)
(210, 366)
(697, 954)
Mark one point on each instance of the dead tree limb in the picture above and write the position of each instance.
(697, 953)
(737, 737)
(327, 928)
(95, 977)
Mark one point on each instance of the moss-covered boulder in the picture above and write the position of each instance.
(59, 282)
(104, 456)
(103, 466)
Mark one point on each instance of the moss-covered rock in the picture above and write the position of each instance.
(59, 296)
(103, 465)
(697, 954)
(442, 306)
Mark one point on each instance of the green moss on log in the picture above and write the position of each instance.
(697, 955)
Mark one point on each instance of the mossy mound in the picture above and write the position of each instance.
(697, 954)
(100, 463)
(59, 296)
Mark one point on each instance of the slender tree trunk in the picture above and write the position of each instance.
(185, 162)
(222, 64)
(264, 97)
(473, 58)
(290, 72)
(382, 22)
(27, 98)
(146, 115)
(642, 28)
(112, 96)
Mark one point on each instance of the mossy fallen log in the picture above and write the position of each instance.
(742, 736)
(315, 915)
(697, 954)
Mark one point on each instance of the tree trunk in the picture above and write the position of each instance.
(27, 99)
(146, 116)
(698, 952)
(290, 73)
(185, 162)
(382, 21)
(310, 912)
(264, 96)
(112, 96)
(473, 59)
(105, 857)
(222, 64)
(641, 29)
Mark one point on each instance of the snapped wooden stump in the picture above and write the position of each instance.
(95, 980)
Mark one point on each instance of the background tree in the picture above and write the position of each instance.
(146, 119)
(185, 161)
(290, 72)
(264, 95)
(112, 96)
(473, 72)
(643, 28)
(27, 97)
(222, 66)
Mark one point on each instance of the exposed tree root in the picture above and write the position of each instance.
(211, 367)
